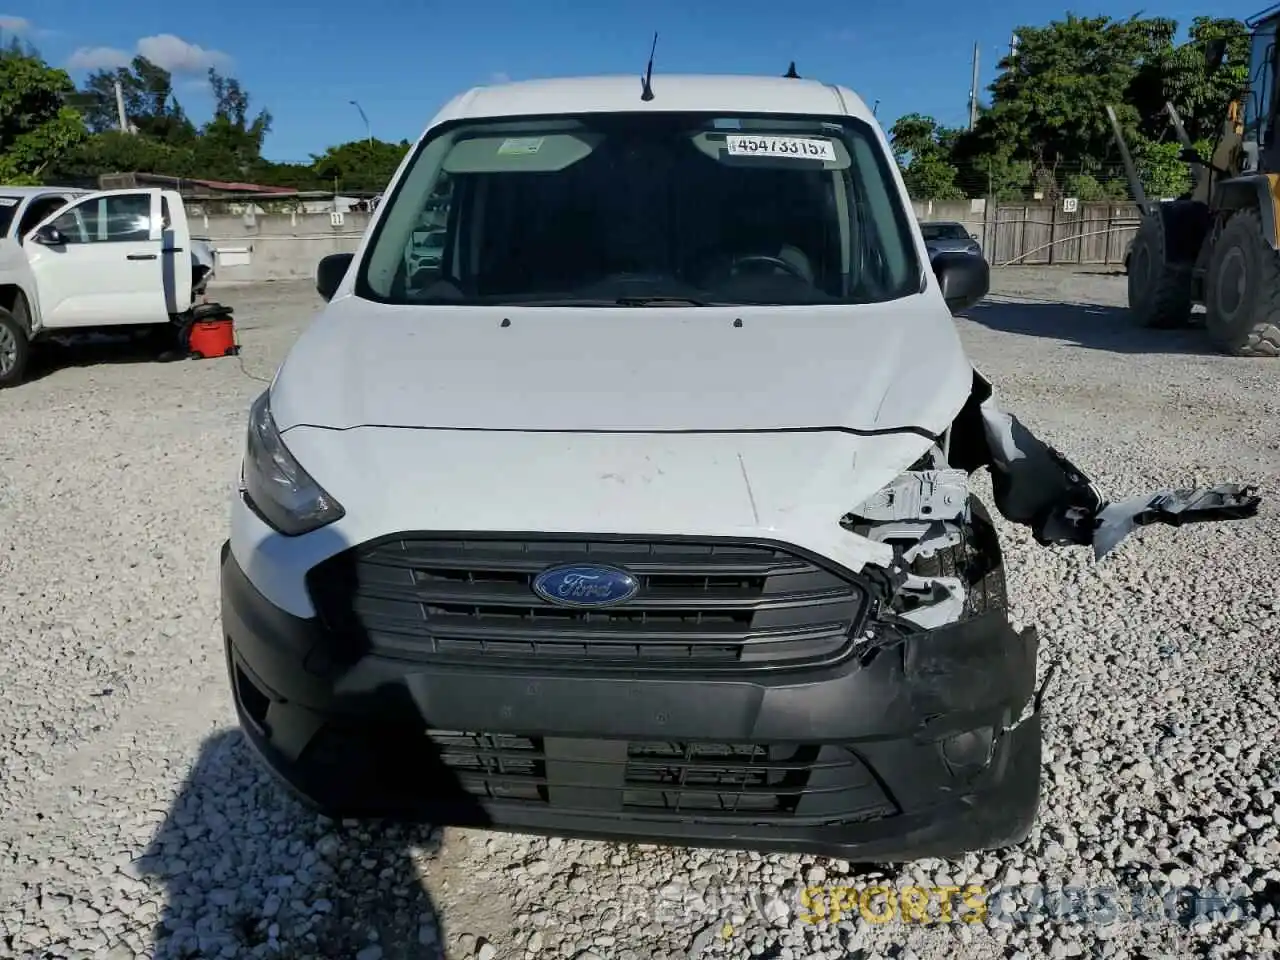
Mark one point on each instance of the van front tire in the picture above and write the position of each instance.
(15, 350)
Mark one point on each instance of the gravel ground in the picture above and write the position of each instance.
(133, 821)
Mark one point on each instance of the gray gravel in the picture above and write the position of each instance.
(134, 823)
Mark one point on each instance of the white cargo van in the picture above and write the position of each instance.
(643, 511)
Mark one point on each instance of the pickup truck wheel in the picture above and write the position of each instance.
(15, 350)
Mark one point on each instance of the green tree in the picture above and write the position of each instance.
(36, 124)
(1052, 92)
(116, 152)
(165, 141)
(998, 174)
(360, 165)
(1161, 169)
(150, 106)
(1048, 105)
(230, 144)
(922, 149)
(1181, 76)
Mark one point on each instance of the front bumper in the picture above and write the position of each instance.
(923, 749)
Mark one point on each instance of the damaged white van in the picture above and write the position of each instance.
(642, 511)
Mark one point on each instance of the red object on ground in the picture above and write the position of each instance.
(212, 338)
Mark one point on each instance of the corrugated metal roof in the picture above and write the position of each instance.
(238, 187)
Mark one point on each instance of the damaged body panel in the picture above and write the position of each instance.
(928, 514)
(1035, 485)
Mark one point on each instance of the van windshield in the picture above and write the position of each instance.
(643, 207)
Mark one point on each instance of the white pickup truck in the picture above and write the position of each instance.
(75, 261)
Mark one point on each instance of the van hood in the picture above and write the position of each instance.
(863, 369)
(791, 488)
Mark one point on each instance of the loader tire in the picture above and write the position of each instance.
(1159, 290)
(1242, 290)
(15, 350)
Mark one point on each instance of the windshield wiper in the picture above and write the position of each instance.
(602, 302)
(658, 302)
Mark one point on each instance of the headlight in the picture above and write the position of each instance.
(274, 483)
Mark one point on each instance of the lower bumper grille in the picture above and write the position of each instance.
(700, 605)
(823, 782)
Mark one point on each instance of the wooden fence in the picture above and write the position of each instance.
(1041, 233)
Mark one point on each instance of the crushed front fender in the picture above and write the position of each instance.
(1036, 486)
(1227, 501)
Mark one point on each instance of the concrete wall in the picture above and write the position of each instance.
(962, 210)
(276, 246)
(972, 213)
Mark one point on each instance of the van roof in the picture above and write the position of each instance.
(700, 93)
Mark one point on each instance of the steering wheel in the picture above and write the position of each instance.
(777, 262)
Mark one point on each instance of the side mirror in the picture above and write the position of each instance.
(330, 272)
(49, 235)
(973, 236)
(964, 279)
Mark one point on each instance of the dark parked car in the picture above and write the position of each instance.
(949, 237)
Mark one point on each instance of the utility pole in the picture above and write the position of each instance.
(124, 120)
(973, 91)
(368, 132)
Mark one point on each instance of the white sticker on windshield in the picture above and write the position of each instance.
(520, 146)
(8, 201)
(793, 148)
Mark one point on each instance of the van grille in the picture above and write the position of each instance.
(700, 605)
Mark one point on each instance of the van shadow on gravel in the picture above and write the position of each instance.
(247, 871)
(1090, 326)
(90, 351)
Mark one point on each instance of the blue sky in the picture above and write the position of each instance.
(402, 59)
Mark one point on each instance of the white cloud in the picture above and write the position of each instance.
(499, 77)
(98, 58)
(11, 24)
(178, 56)
(164, 50)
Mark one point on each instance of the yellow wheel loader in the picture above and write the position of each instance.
(1219, 245)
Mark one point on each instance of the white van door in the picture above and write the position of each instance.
(98, 262)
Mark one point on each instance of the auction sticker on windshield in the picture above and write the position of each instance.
(797, 148)
(520, 146)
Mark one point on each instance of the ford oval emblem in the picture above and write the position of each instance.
(585, 585)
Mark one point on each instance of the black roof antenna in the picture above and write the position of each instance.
(646, 82)
(791, 72)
